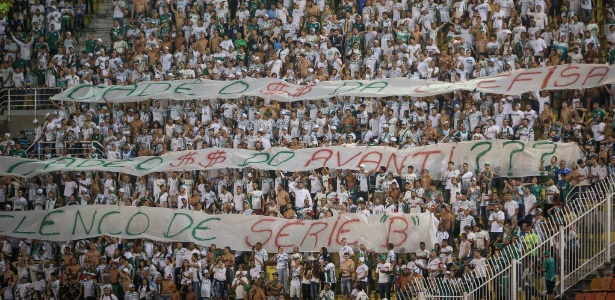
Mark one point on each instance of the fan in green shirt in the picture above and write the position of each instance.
(403, 34)
(359, 26)
(38, 32)
(19, 62)
(18, 152)
(252, 25)
(40, 75)
(548, 267)
(565, 187)
(90, 44)
(20, 35)
(550, 169)
(240, 43)
(356, 38)
(53, 38)
(115, 32)
(536, 189)
(313, 24)
(610, 55)
(100, 46)
(598, 113)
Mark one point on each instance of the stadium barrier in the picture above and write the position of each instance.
(23, 99)
(47, 150)
(578, 235)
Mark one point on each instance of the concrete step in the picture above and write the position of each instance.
(105, 11)
(100, 25)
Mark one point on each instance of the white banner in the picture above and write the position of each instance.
(510, 83)
(239, 232)
(507, 159)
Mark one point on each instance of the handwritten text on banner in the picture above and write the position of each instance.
(509, 83)
(507, 158)
(236, 231)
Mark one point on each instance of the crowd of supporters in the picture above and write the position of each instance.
(301, 42)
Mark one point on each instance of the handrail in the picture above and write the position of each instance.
(589, 205)
(32, 98)
(77, 151)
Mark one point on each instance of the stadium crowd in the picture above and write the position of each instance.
(301, 42)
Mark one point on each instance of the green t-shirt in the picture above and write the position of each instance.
(552, 170)
(536, 190)
(610, 56)
(253, 26)
(115, 33)
(549, 267)
(21, 153)
(598, 113)
(40, 77)
(53, 38)
(166, 18)
(313, 25)
(566, 187)
(240, 43)
(19, 63)
(403, 36)
(359, 26)
(38, 32)
(90, 45)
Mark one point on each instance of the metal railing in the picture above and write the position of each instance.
(577, 235)
(34, 99)
(48, 150)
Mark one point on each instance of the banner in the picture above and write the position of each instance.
(510, 83)
(507, 159)
(240, 232)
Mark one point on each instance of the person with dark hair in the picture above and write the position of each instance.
(383, 269)
(549, 269)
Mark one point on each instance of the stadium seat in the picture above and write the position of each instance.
(605, 283)
(610, 296)
(590, 296)
(580, 296)
(601, 295)
(595, 284)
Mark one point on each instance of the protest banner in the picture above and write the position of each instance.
(240, 232)
(507, 158)
(516, 82)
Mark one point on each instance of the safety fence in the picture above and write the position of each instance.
(577, 236)
(27, 99)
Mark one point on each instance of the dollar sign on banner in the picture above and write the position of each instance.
(214, 158)
(302, 90)
(542, 157)
(278, 88)
(510, 157)
(186, 159)
(481, 154)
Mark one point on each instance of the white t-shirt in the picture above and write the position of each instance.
(383, 277)
(69, 188)
(528, 202)
(448, 175)
(240, 290)
(495, 226)
(362, 271)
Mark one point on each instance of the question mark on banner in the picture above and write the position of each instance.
(542, 157)
(510, 157)
(481, 154)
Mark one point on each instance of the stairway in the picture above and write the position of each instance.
(605, 271)
(100, 25)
